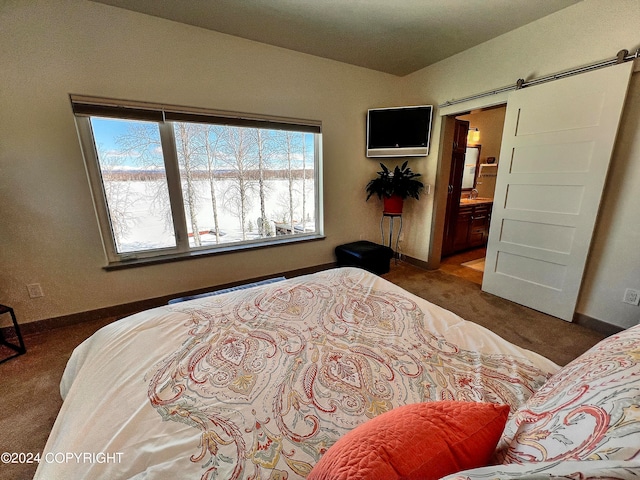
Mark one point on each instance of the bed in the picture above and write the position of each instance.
(260, 383)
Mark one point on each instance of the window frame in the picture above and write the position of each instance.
(86, 107)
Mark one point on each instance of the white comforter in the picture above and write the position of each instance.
(258, 383)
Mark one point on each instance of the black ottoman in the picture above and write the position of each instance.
(367, 255)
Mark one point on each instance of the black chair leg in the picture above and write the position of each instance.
(20, 348)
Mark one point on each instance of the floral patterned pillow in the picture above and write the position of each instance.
(589, 410)
(554, 470)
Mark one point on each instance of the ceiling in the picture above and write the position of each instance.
(394, 36)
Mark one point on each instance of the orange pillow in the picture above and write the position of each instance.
(419, 441)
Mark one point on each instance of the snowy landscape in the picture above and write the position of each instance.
(149, 221)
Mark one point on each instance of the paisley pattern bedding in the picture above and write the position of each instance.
(589, 410)
(260, 383)
(559, 470)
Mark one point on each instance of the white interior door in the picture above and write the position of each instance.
(556, 147)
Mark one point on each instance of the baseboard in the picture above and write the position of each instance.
(123, 310)
(415, 262)
(596, 325)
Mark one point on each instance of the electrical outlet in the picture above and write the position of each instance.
(632, 297)
(35, 290)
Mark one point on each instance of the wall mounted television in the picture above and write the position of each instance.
(399, 131)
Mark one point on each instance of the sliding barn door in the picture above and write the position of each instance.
(557, 143)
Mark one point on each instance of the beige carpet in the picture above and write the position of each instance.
(556, 339)
(30, 394)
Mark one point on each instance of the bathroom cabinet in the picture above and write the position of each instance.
(472, 225)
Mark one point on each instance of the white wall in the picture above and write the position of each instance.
(51, 48)
(584, 33)
(489, 124)
(49, 233)
(614, 263)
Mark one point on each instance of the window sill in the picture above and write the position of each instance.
(178, 257)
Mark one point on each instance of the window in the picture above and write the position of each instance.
(173, 182)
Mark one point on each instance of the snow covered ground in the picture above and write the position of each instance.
(149, 221)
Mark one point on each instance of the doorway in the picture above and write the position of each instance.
(468, 264)
(475, 150)
(555, 156)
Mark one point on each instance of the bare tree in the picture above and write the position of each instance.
(142, 140)
(288, 145)
(141, 144)
(186, 144)
(245, 160)
(211, 141)
(239, 149)
(264, 152)
(119, 196)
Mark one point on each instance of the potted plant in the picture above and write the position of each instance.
(394, 186)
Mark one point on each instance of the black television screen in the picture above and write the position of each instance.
(399, 131)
